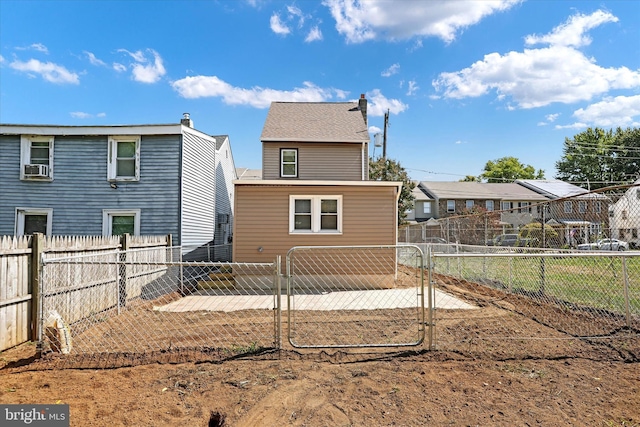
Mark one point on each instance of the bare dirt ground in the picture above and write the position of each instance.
(468, 382)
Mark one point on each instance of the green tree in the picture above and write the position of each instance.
(382, 169)
(598, 158)
(470, 178)
(508, 169)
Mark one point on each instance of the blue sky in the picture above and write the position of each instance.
(465, 82)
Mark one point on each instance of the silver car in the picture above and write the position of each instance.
(605, 245)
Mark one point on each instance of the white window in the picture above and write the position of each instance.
(568, 207)
(469, 204)
(288, 163)
(116, 222)
(451, 205)
(33, 220)
(36, 157)
(124, 158)
(505, 206)
(426, 207)
(489, 205)
(315, 214)
(582, 206)
(597, 207)
(524, 207)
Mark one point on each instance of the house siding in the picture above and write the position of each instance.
(198, 191)
(318, 161)
(80, 190)
(225, 174)
(262, 219)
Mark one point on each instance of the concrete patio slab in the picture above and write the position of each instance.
(346, 300)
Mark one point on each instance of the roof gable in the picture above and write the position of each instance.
(315, 122)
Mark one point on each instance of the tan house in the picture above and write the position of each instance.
(314, 189)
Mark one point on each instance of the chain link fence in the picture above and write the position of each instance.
(147, 304)
(355, 296)
(586, 222)
(534, 303)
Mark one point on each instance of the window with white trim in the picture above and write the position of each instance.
(124, 158)
(315, 214)
(582, 206)
(489, 205)
(451, 205)
(116, 222)
(469, 204)
(288, 162)
(568, 206)
(597, 207)
(426, 207)
(36, 157)
(33, 220)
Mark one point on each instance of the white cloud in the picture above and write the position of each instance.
(144, 71)
(39, 47)
(93, 60)
(277, 26)
(378, 104)
(1, 59)
(573, 32)
(314, 35)
(572, 126)
(394, 69)
(295, 12)
(612, 112)
(119, 67)
(413, 87)
(49, 71)
(359, 21)
(80, 115)
(258, 97)
(83, 115)
(549, 118)
(374, 129)
(538, 77)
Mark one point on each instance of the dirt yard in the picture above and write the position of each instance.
(468, 382)
(336, 389)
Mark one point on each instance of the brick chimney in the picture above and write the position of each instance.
(186, 120)
(362, 106)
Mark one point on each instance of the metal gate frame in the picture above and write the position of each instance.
(422, 320)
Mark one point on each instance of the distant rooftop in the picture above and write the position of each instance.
(245, 173)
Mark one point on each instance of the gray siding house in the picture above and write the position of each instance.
(104, 180)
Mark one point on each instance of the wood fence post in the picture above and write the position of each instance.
(37, 247)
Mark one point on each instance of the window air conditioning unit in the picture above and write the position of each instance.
(36, 170)
(223, 218)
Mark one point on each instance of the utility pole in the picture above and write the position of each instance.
(384, 138)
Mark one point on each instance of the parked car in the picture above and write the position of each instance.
(605, 245)
(508, 240)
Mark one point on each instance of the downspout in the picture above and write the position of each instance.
(364, 160)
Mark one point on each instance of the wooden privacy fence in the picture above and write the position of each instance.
(20, 262)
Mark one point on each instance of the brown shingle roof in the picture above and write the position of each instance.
(315, 122)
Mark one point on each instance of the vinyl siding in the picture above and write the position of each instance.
(198, 191)
(317, 161)
(225, 174)
(262, 219)
(80, 190)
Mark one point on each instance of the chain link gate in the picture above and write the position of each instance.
(356, 296)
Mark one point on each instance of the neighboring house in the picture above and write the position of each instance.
(579, 216)
(245, 173)
(422, 206)
(624, 217)
(444, 199)
(105, 180)
(315, 189)
(225, 175)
